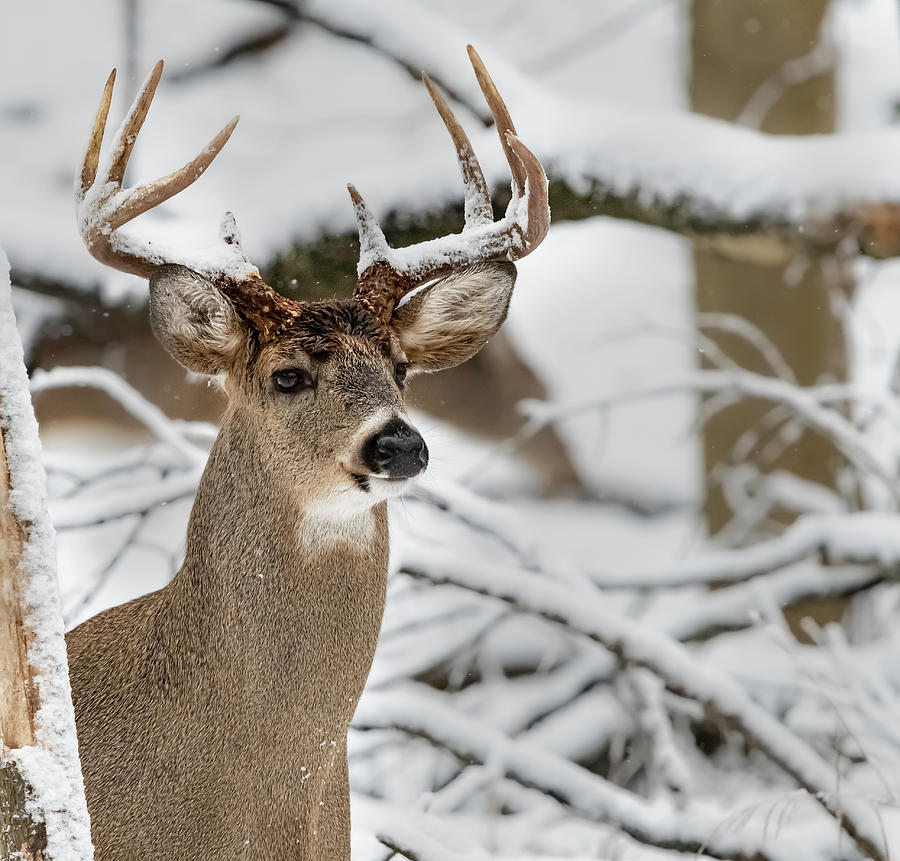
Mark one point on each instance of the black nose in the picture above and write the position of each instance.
(397, 450)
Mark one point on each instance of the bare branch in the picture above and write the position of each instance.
(589, 794)
(636, 645)
(803, 402)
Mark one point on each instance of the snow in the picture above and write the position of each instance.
(577, 134)
(421, 713)
(51, 768)
(537, 729)
(670, 661)
(563, 732)
(808, 405)
(597, 309)
(868, 536)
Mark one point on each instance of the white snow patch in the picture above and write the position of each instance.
(51, 768)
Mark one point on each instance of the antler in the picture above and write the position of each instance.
(386, 274)
(103, 206)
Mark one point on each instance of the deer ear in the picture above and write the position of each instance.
(450, 321)
(194, 321)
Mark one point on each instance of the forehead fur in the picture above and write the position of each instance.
(323, 326)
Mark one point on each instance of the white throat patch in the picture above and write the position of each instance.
(345, 519)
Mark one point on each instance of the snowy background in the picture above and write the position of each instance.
(579, 676)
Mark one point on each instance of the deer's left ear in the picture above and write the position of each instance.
(450, 321)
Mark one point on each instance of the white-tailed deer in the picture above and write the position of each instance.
(212, 715)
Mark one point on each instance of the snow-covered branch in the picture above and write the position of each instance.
(866, 537)
(751, 193)
(127, 397)
(654, 823)
(413, 843)
(79, 511)
(808, 405)
(719, 694)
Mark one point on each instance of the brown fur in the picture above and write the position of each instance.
(212, 714)
(216, 727)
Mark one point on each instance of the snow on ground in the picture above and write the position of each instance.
(603, 307)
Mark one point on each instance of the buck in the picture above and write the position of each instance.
(212, 714)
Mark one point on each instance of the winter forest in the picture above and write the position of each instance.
(643, 605)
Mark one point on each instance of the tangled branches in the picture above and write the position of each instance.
(570, 703)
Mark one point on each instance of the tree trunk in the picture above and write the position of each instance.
(18, 831)
(736, 46)
(37, 724)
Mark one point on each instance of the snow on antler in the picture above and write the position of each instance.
(386, 274)
(103, 205)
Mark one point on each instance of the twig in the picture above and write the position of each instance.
(803, 402)
(423, 715)
(639, 646)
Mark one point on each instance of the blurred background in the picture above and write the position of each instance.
(689, 422)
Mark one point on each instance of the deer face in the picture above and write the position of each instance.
(317, 388)
(322, 397)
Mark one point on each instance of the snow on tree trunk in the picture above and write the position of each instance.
(43, 815)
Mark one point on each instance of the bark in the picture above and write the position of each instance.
(17, 703)
(43, 815)
(18, 831)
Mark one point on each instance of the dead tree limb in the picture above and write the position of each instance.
(43, 815)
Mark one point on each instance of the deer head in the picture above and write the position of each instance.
(319, 386)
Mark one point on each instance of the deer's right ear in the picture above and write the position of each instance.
(450, 321)
(194, 321)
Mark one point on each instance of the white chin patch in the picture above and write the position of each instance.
(386, 488)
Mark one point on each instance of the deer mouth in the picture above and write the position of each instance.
(365, 482)
(362, 481)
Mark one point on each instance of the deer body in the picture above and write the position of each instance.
(212, 715)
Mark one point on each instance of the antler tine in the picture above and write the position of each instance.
(92, 155)
(104, 206)
(538, 194)
(128, 132)
(478, 209)
(502, 119)
(373, 246)
(151, 194)
(386, 275)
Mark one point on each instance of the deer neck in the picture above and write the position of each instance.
(283, 600)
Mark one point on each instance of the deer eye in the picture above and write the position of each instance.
(400, 373)
(293, 380)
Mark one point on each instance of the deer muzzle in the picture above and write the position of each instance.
(395, 451)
